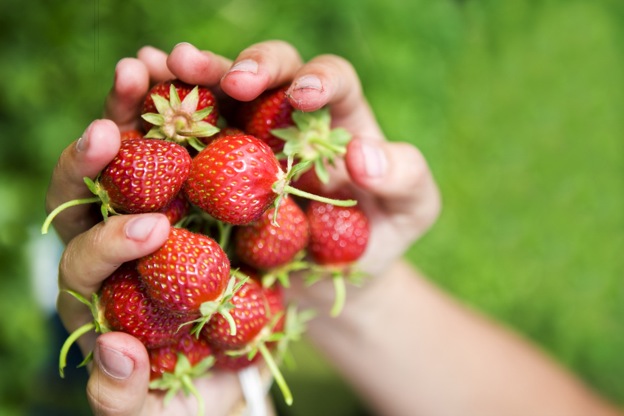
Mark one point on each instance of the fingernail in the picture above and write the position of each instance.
(139, 228)
(83, 142)
(375, 162)
(307, 82)
(246, 65)
(183, 44)
(114, 363)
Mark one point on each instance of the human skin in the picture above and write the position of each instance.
(431, 355)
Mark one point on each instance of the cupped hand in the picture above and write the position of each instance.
(391, 179)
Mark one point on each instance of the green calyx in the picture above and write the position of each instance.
(179, 120)
(313, 140)
(181, 379)
(282, 188)
(101, 196)
(222, 306)
(282, 273)
(340, 275)
(98, 325)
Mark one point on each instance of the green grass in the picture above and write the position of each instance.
(516, 105)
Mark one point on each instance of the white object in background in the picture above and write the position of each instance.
(254, 391)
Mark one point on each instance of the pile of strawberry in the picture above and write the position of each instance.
(242, 185)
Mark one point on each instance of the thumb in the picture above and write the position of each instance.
(118, 384)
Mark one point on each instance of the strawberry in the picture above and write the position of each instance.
(232, 179)
(127, 308)
(236, 178)
(226, 131)
(271, 110)
(338, 237)
(144, 176)
(264, 245)
(123, 305)
(258, 313)
(179, 112)
(250, 315)
(131, 134)
(233, 362)
(164, 359)
(312, 140)
(174, 367)
(177, 209)
(188, 271)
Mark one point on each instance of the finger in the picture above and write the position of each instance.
(398, 176)
(118, 384)
(155, 61)
(196, 67)
(331, 80)
(123, 104)
(94, 255)
(261, 66)
(84, 158)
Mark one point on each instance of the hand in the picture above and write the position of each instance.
(119, 378)
(395, 188)
(392, 180)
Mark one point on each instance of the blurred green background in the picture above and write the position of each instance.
(516, 104)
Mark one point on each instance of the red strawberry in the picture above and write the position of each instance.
(180, 112)
(313, 141)
(233, 362)
(131, 134)
(250, 315)
(236, 178)
(145, 176)
(177, 209)
(174, 367)
(127, 308)
(189, 270)
(164, 359)
(271, 110)
(264, 245)
(232, 179)
(338, 235)
(259, 315)
(124, 306)
(226, 131)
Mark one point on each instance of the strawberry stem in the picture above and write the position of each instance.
(48, 221)
(340, 294)
(189, 386)
(338, 202)
(277, 374)
(69, 342)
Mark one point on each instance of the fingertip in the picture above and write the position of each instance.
(97, 146)
(131, 78)
(151, 229)
(155, 60)
(119, 381)
(195, 66)
(245, 80)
